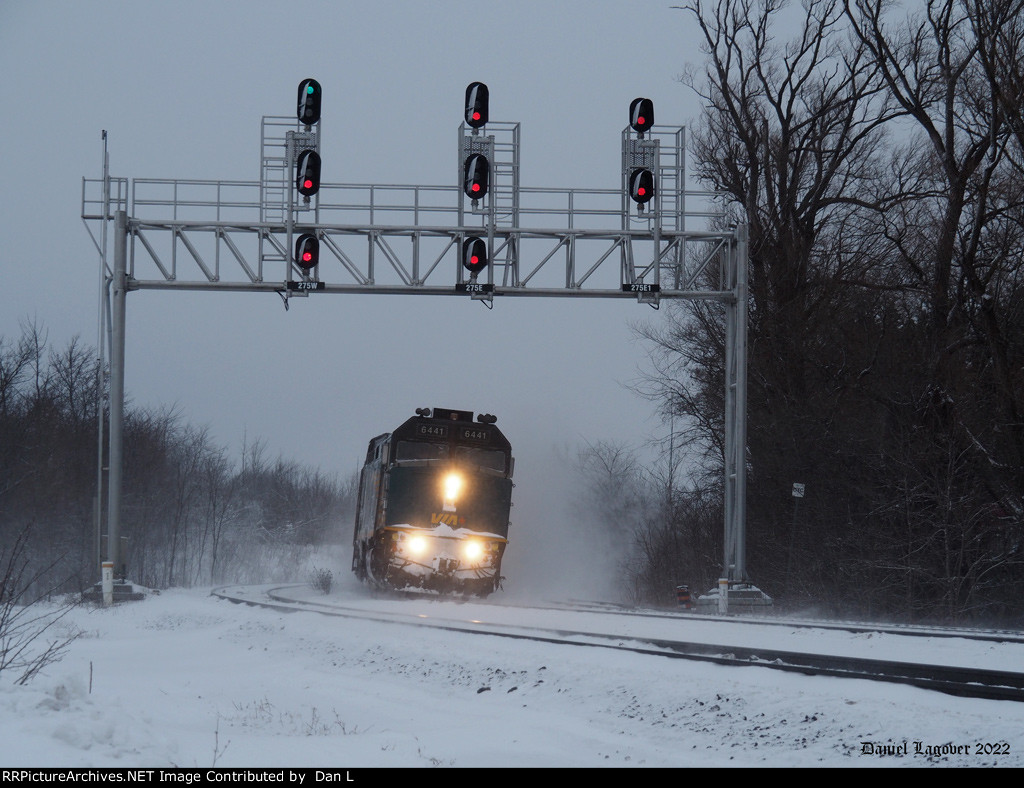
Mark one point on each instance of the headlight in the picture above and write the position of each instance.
(473, 550)
(452, 486)
(417, 545)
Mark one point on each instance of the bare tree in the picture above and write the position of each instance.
(220, 506)
(14, 361)
(793, 131)
(73, 372)
(955, 68)
(189, 514)
(30, 635)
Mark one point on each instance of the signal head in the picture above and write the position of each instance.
(477, 100)
(307, 173)
(476, 174)
(308, 108)
(474, 254)
(641, 115)
(307, 252)
(641, 185)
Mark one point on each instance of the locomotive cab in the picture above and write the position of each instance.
(434, 504)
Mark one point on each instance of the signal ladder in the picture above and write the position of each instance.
(499, 143)
(282, 140)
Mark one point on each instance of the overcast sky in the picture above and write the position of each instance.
(181, 87)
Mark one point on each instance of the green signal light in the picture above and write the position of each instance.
(308, 107)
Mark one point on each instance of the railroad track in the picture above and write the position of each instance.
(959, 681)
(991, 636)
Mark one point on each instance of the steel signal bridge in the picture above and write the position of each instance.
(482, 236)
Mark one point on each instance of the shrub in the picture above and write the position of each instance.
(321, 580)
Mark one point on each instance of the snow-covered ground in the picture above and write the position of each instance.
(184, 679)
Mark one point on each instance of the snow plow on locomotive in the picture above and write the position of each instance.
(433, 506)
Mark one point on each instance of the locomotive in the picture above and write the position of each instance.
(433, 507)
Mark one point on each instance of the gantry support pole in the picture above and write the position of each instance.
(118, 303)
(735, 561)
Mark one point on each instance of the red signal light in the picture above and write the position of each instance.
(474, 254)
(476, 175)
(477, 100)
(641, 115)
(641, 185)
(307, 251)
(308, 173)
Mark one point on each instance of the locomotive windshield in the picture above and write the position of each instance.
(411, 451)
(491, 459)
(468, 456)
